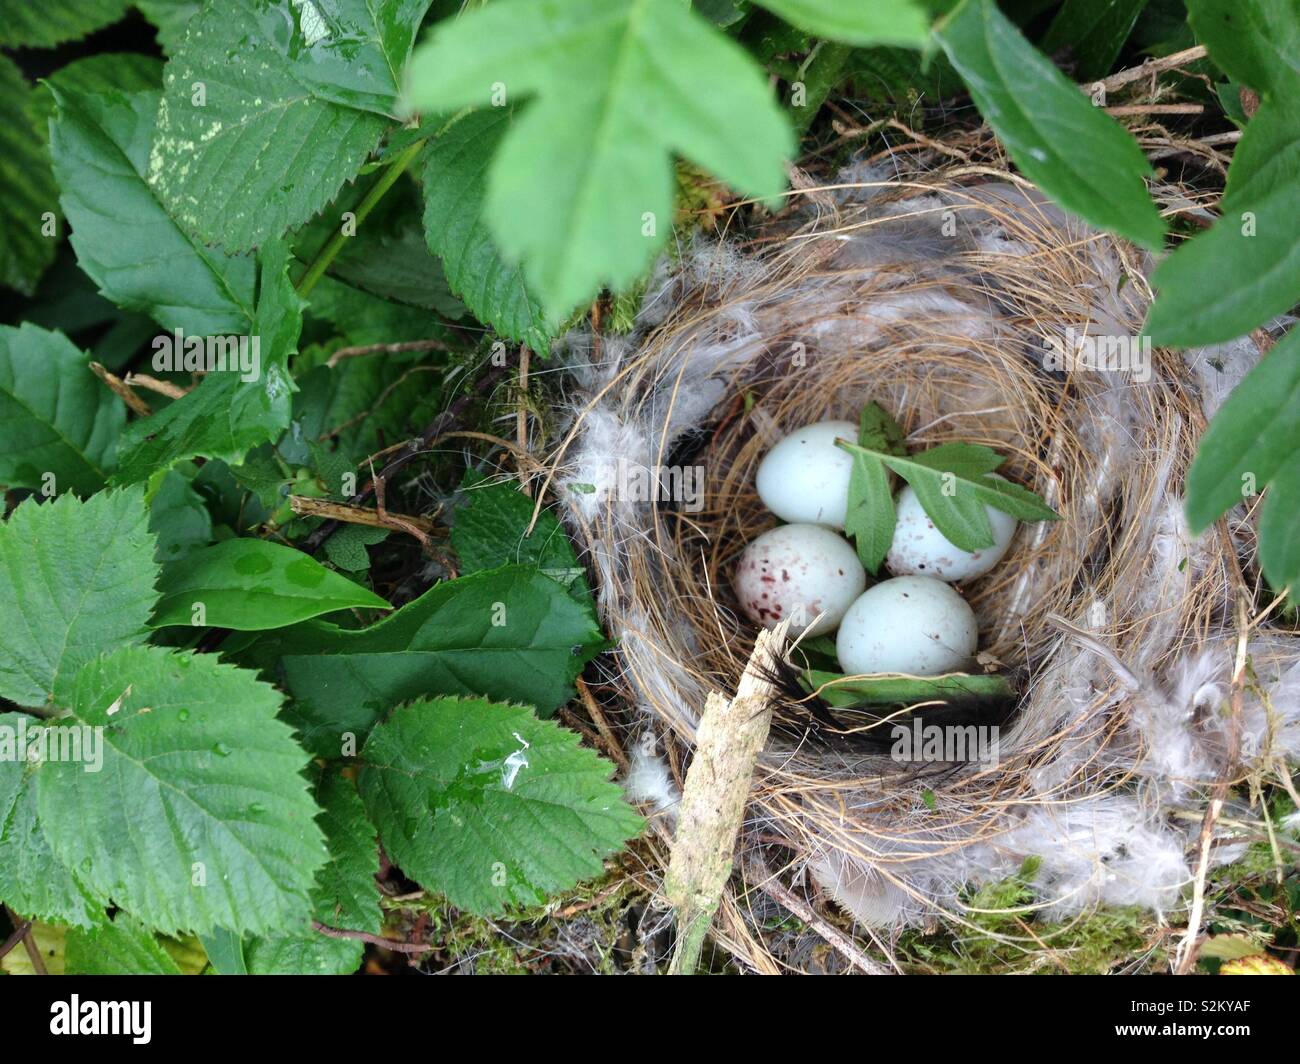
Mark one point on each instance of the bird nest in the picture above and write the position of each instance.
(944, 297)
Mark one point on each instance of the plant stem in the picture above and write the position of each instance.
(330, 251)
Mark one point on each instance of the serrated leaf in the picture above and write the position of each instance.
(347, 547)
(33, 882)
(1254, 440)
(58, 418)
(508, 633)
(346, 894)
(581, 188)
(878, 431)
(26, 251)
(490, 530)
(1092, 32)
(870, 516)
(296, 96)
(1255, 243)
(171, 18)
(178, 516)
(455, 166)
(121, 946)
(225, 416)
(199, 817)
(251, 584)
(76, 579)
(125, 72)
(488, 805)
(29, 25)
(1076, 153)
(877, 22)
(136, 253)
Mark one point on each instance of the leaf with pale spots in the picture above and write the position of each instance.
(268, 108)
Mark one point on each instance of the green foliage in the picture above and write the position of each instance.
(122, 946)
(881, 22)
(272, 133)
(1078, 155)
(581, 188)
(487, 804)
(1092, 32)
(52, 22)
(870, 516)
(250, 585)
(511, 633)
(61, 424)
(76, 580)
(26, 251)
(1254, 440)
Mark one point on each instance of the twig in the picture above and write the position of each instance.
(20, 930)
(1187, 948)
(730, 735)
(609, 742)
(1153, 66)
(153, 384)
(385, 349)
(521, 415)
(759, 875)
(23, 933)
(306, 506)
(1157, 109)
(374, 940)
(119, 388)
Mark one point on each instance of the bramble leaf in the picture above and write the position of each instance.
(76, 579)
(199, 816)
(59, 420)
(25, 196)
(488, 805)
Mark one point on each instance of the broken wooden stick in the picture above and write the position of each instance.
(730, 735)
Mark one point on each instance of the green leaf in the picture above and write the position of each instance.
(488, 805)
(347, 547)
(1077, 154)
(878, 431)
(1255, 243)
(171, 17)
(178, 516)
(294, 97)
(455, 165)
(952, 484)
(136, 253)
(1092, 32)
(121, 946)
(346, 894)
(1254, 440)
(226, 415)
(76, 579)
(490, 531)
(33, 882)
(252, 584)
(199, 817)
(877, 22)
(508, 633)
(586, 169)
(870, 516)
(225, 951)
(1256, 42)
(897, 690)
(58, 418)
(25, 196)
(30, 25)
(126, 72)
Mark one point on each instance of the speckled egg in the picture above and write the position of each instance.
(798, 571)
(912, 624)
(805, 477)
(920, 549)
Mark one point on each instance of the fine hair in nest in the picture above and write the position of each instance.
(938, 295)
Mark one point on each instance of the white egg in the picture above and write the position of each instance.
(911, 624)
(797, 572)
(805, 477)
(920, 549)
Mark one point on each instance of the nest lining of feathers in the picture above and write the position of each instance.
(936, 295)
